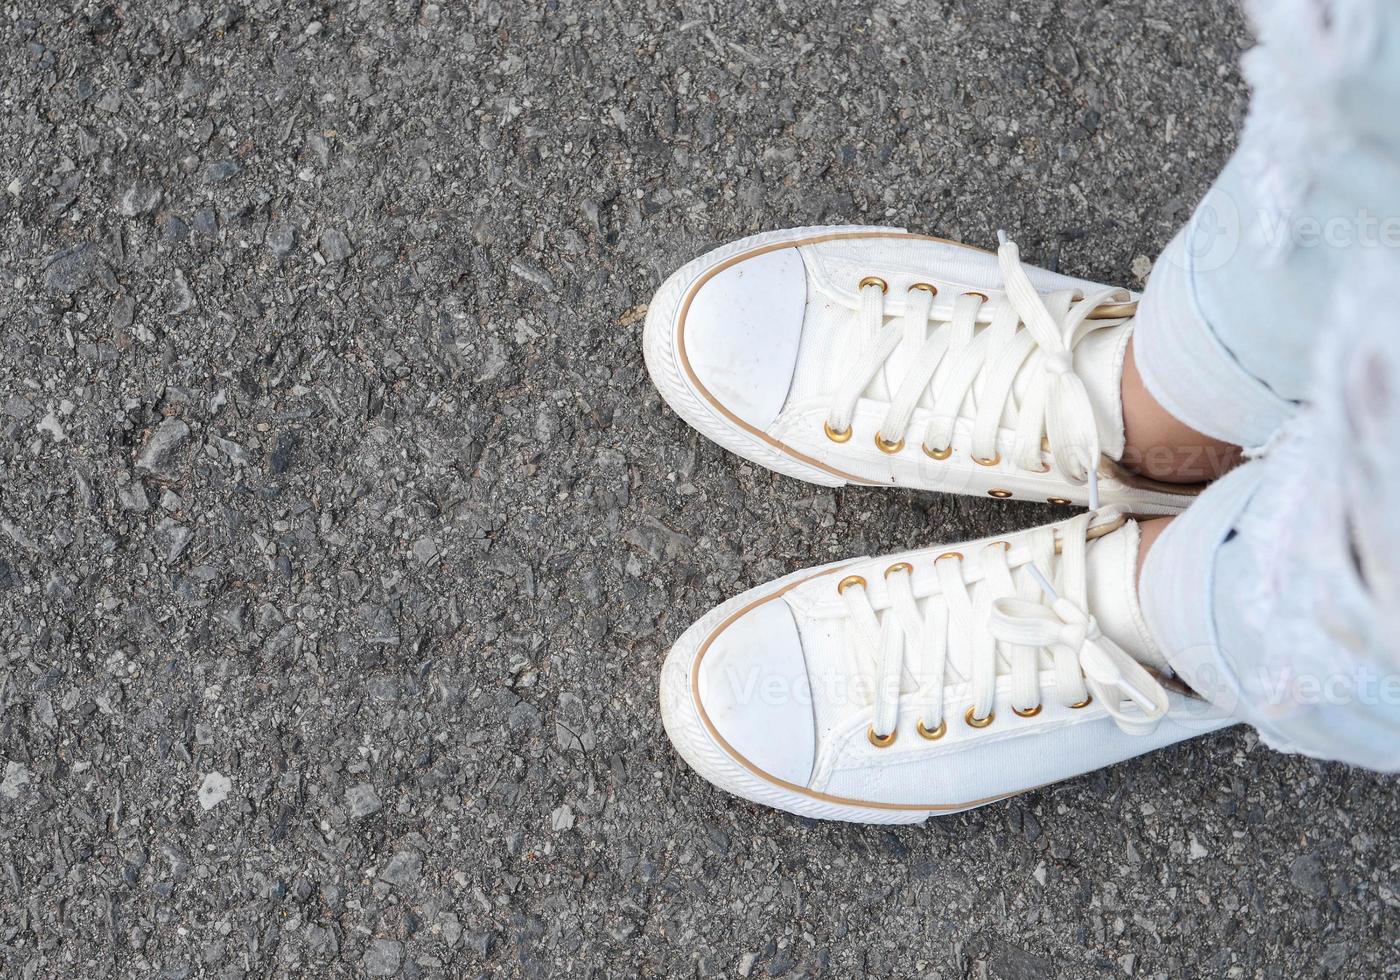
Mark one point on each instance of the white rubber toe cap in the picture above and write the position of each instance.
(742, 332)
(752, 686)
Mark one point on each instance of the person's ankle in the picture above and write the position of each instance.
(1159, 446)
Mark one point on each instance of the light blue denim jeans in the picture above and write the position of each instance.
(1272, 321)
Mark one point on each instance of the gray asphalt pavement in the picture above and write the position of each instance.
(342, 534)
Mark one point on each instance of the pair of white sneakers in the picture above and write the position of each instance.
(890, 689)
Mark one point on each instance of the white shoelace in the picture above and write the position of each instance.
(982, 367)
(989, 615)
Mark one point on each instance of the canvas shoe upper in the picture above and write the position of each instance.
(888, 690)
(871, 355)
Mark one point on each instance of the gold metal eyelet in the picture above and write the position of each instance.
(996, 458)
(899, 566)
(973, 292)
(1028, 712)
(1088, 700)
(1001, 494)
(1044, 469)
(1113, 311)
(927, 287)
(881, 741)
(1005, 545)
(849, 581)
(949, 554)
(979, 722)
(938, 453)
(835, 436)
(874, 281)
(937, 733)
(1059, 501)
(886, 446)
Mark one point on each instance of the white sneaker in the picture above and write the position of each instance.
(874, 356)
(888, 690)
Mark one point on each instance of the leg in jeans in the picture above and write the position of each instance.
(1239, 298)
(1276, 595)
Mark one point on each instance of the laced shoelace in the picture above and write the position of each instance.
(991, 615)
(984, 365)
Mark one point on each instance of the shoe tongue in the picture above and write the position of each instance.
(1098, 360)
(1113, 595)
